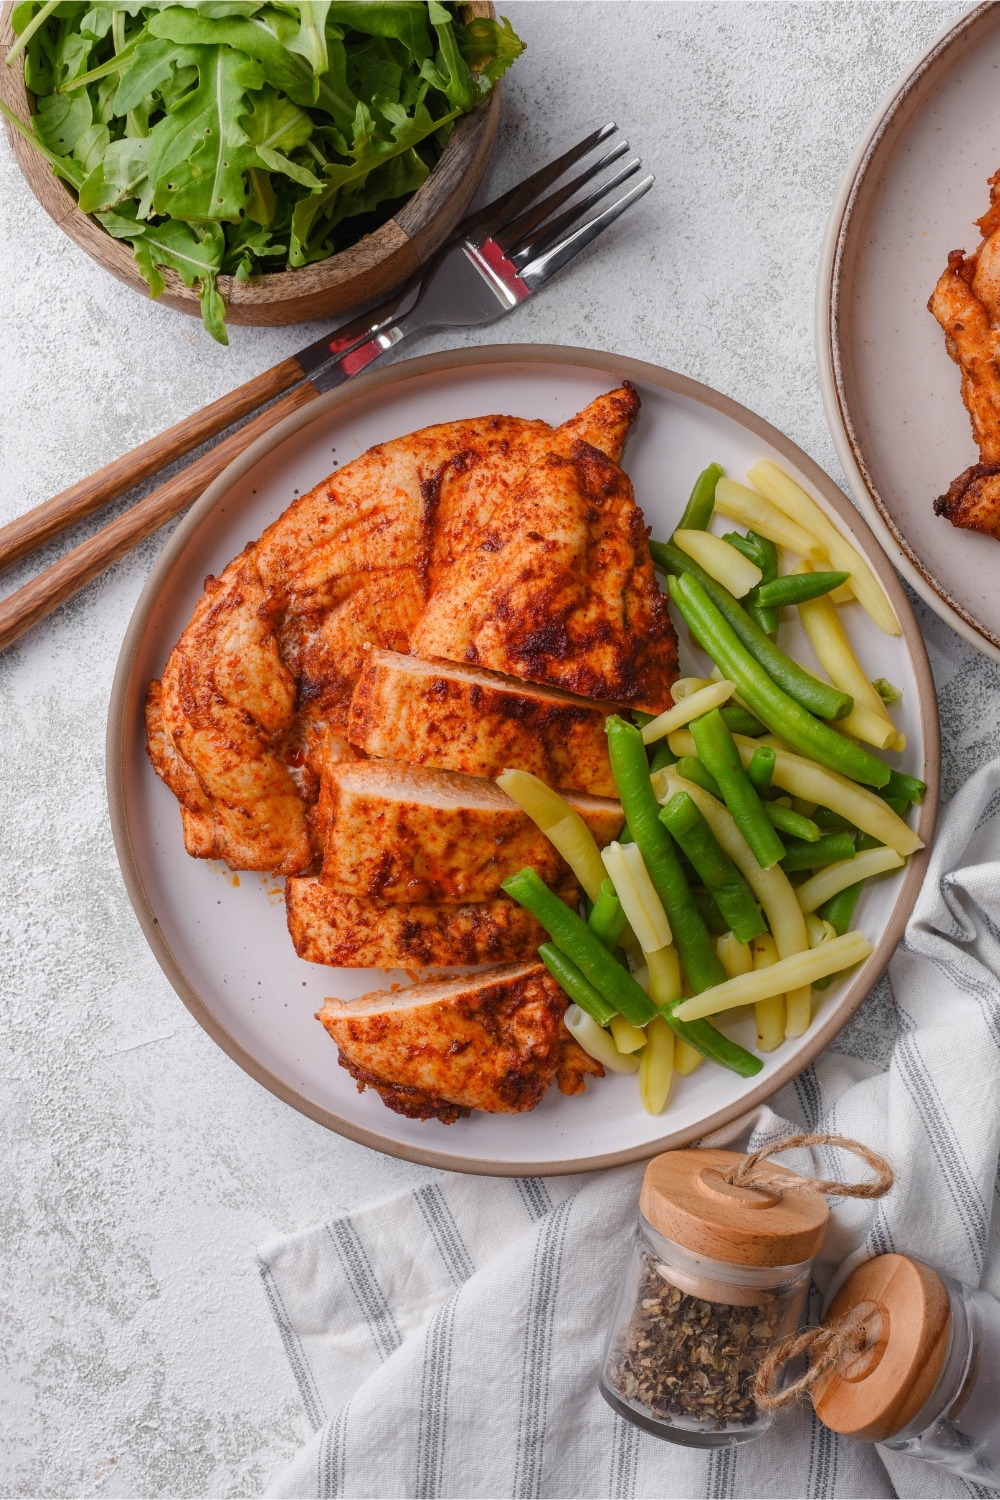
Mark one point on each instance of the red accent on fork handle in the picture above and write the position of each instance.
(361, 356)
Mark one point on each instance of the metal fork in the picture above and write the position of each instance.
(500, 255)
(503, 255)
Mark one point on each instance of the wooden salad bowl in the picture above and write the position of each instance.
(365, 272)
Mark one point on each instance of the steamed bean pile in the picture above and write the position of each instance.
(756, 807)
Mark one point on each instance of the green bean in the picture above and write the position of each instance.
(718, 752)
(662, 756)
(580, 945)
(608, 920)
(703, 1037)
(741, 721)
(824, 851)
(640, 717)
(692, 770)
(796, 588)
(832, 821)
(698, 511)
(782, 714)
(787, 820)
(911, 788)
(839, 910)
(625, 837)
(576, 986)
(631, 772)
(709, 911)
(761, 768)
(729, 890)
(819, 697)
(763, 552)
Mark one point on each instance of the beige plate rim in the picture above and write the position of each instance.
(844, 225)
(621, 368)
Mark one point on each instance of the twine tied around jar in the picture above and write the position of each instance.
(838, 1345)
(749, 1174)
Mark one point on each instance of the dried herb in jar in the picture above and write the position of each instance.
(681, 1356)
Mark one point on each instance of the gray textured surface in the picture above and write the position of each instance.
(139, 1165)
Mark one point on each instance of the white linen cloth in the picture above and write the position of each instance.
(446, 1342)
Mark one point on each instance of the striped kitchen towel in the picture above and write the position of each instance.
(446, 1342)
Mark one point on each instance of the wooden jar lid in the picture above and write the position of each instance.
(909, 1325)
(685, 1198)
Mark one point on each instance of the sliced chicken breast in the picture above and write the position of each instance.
(493, 1041)
(362, 932)
(404, 833)
(461, 718)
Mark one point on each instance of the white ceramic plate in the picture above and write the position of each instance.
(221, 939)
(891, 394)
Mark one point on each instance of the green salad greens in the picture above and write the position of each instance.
(234, 137)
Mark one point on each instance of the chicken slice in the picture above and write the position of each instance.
(361, 932)
(404, 833)
(198, 819)
(559, 589)
(461, 718)
(493, 1041)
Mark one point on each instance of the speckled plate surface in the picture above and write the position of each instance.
(221, 939)
(916, 183)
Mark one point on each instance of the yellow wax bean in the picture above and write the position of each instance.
(561, 824)
(788, 973)
(711, 696)
(627, 1038)
(800, 508)
(597, 1042)
(721, 561)
(664, 970)
(770, 1014)
(656, 1066)
(734, 956)
(642, 906)
(759, 514)
(837, 877)
(686, 1059)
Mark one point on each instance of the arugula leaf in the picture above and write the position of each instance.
(405, 22)
(118, 176)
(310, 40)
(197, 153)
(449, 72)
(62, 119)
(489, 47)
(195, 254)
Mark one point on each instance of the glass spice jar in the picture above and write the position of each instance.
(922, 1374)
(717, 1272)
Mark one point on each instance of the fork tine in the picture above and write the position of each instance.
(494, 215)
(537, 272)
(516, 231)
(528, 247)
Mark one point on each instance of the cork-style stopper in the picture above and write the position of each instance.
(906, 1314)
(686, 1198)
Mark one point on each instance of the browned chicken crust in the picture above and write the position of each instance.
(328, 926)
(460, 718)
(494, 1041)
(264, 673)
(559, 588)
(408, 834)
(966, 303)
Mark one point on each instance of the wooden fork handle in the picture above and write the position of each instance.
(63, 579)
(54, 515)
